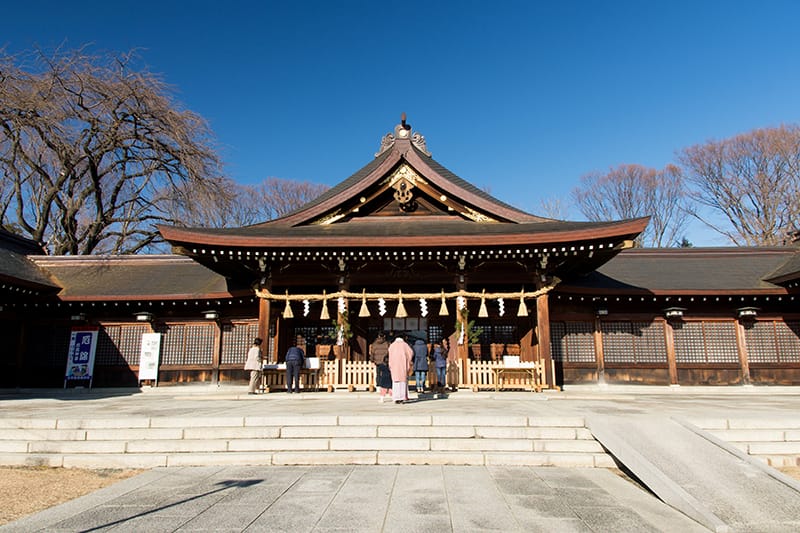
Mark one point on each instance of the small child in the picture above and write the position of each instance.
(384, 379)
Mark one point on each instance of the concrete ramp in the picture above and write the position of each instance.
(707, 480)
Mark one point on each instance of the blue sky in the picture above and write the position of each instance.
(519, 97)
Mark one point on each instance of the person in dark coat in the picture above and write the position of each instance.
(440, 363)
(294, 362)
(420, 363)
(383, 378)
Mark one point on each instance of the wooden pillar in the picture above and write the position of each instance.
(263, 323)
(598, 351)
(526, 342)
(543, 334)
(19, 366)
(744, 358)
(216, 356)
(669, 336)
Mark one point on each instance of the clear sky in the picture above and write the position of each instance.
(518, 97)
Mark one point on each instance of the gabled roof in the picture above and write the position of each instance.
(406, 198)
(685, 271)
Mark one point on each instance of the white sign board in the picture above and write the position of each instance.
(148, 357)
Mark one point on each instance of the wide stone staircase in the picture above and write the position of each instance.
(129, 442)
(776, 441)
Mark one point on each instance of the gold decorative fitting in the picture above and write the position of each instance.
(476, 216)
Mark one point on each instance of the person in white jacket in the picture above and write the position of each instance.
(254, 365)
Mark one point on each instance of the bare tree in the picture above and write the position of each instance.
(632, 191)
(554, 208)
(93, 151)
(752, 180)
(243, 205)
(279, 197)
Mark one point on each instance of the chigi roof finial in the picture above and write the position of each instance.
(402, 131)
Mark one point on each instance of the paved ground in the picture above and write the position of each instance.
(365, 498)
(381, 498)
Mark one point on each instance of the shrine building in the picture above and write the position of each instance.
(406, 247)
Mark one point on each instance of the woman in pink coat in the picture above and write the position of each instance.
(400, 356)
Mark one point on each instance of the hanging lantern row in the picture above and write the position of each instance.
(460, 296)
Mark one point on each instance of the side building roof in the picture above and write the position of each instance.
(732, 270)
(17, 271)
(134, 277)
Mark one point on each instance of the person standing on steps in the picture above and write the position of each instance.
(400, 355)
(294, 362)
(254, 365)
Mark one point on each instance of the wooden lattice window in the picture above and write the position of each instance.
(187, 344)
(706, 342)
(633, 342)
(497, 333)
(120, 344)
(435, 333)
(572, 342)
(773, 341)
(237, 337)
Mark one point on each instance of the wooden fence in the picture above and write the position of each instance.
(360, 376)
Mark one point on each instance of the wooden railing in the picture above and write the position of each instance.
(360, 375)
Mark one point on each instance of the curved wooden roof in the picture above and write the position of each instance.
(404, 198)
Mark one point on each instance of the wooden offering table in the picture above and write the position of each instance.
(531, 373)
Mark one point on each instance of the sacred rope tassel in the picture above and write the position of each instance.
(287, 312)
(443, 307)
(482, 311)
(324, 315)
(401, 309)
(364, 311)
(523, 309)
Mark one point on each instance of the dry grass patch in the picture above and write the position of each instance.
(27, 490)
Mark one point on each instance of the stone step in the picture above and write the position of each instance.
(330, 457)
(167, 441)
(776, 441)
